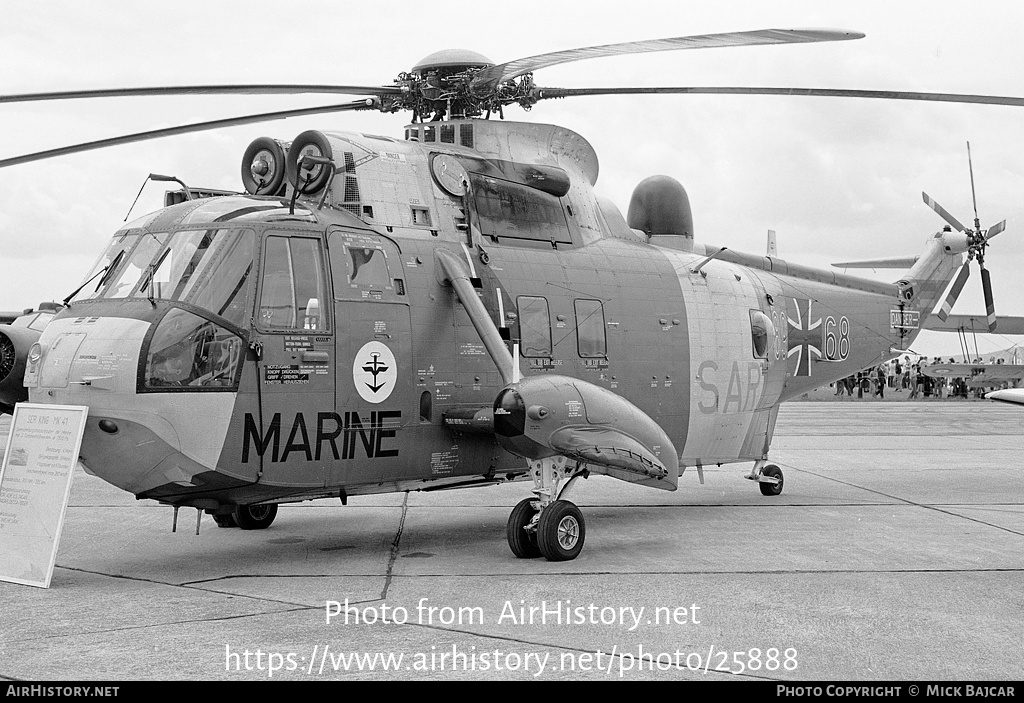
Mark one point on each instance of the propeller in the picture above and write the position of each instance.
(977, 240)
(458, 84)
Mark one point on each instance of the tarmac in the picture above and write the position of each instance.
(895, 552)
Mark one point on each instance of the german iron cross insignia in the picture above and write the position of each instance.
(804, 335)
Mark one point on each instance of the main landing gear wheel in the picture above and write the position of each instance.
(561, 531)
(255, 517)
(771, 489)
(521, 541)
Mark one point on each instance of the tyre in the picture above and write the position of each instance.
(771, 489)
(522, 543)
(561, 531)
(255, 517)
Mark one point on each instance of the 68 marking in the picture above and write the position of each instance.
(837, 347)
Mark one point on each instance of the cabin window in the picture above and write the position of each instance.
(534, 326)
(510, 210)
(590, 329)
(293, 289)
(361, 269)
(761, 330)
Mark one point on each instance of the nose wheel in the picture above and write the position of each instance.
(561, 531)
(543, 526)
(521, 530)
(557, 533)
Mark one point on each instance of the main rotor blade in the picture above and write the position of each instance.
(284, 89)
(942, 213)
(954, 292)
(490, 77)
(810, 92)
(366, 104)
(990, 306)
(995, 229)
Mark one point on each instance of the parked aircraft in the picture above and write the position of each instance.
(448, 309)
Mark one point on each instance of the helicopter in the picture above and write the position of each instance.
(454, 308)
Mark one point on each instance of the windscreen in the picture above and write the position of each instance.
(208, 268)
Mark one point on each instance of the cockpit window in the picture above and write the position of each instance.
(293, 287)
(190, 353)
(110, 259)
(208, 268)
(237, 209)
(126, 284)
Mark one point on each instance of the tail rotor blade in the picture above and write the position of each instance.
(995, 229)
(954, 292)
(974, 198)
(955, 223)
(990, 306)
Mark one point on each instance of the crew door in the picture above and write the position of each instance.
(295, 339)
(376, 390)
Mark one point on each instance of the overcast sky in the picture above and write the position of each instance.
(837, 179)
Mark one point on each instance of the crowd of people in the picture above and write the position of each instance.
(906, 375)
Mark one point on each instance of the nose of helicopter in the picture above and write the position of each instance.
(109, 363)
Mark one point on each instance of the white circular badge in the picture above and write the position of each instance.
(374, 372)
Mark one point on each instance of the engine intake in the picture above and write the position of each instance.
(14, 345)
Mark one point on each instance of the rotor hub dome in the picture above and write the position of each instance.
(451, 58)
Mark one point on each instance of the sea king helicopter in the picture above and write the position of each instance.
(452, 308)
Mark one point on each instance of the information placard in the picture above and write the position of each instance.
(35, 482)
